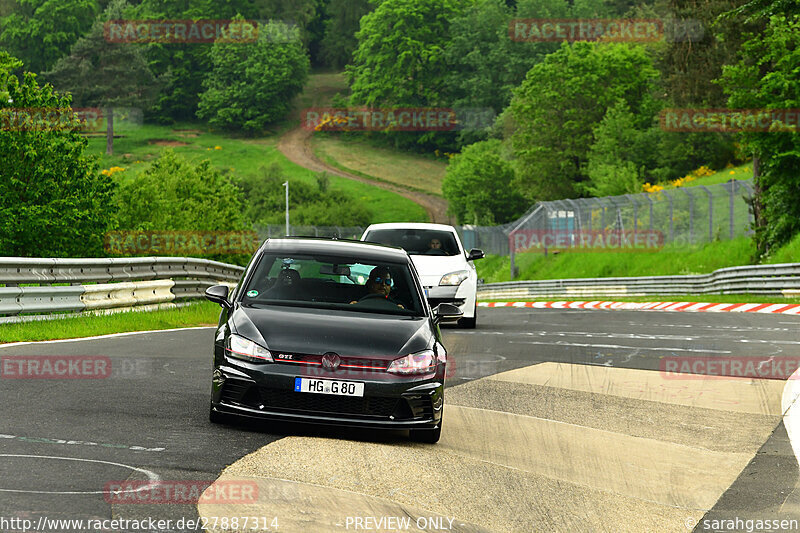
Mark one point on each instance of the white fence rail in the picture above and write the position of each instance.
(776, 280)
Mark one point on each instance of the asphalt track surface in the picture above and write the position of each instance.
(556, 420)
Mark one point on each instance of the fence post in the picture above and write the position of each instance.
(710, 213)
(731, 196)
(671, 216)
(746, 185)
(691, 213)
(635, 212)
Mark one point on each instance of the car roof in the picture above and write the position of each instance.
(411, 225)
(321, 245)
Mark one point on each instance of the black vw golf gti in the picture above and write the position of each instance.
(332, 332)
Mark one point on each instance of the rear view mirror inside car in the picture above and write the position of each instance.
(335, 270)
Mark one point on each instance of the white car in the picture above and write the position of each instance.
(446, 270)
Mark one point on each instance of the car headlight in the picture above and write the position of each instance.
(416, 363)
(454, 278)
(246, 350)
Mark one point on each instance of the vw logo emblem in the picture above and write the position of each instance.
(331, 361)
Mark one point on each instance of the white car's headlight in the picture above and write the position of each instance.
(246, 350)
(416, 363)
(454, 278)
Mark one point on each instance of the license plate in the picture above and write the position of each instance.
(327, 386)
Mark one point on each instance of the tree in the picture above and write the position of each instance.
(400, 58)
(187, 65)
(612, 162)
(174, 194)
(694, 59)
(339, 40)
(554, 111)
(309, 204)
(401, 62)
(39, 32)
(105, 75)
(7, 65)
(54, 203)
(766, 77)
(252, 86)
(479, 186)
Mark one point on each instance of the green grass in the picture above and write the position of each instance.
(742, 172)
(790, 253)
(197, 314)
(668, 261)
(412, 171)
(239, 157)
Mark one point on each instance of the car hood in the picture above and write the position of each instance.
(316, 331)
(431, 268)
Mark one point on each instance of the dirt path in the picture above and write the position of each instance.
(296, 146)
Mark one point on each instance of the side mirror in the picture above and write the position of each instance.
(219, 295)
(475, 254)
(446, 313)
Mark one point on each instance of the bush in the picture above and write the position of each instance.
(478, 185)
(309, 204)
(54, 201)
(252, 86)
(174, 194)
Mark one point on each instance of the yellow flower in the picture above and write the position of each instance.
(218, 148)
(731, 172)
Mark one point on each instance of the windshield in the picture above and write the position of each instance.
(333, 282)
(417, 241)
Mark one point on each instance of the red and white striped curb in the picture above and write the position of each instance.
(702, 307)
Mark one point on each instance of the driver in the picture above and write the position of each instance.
(379, 285)
(435, 247)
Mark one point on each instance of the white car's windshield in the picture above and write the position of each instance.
(417, 241)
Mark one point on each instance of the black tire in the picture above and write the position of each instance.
(428, 436)
(470, 323)
(215, 417)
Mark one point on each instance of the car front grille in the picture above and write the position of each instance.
(327, 403)
(433, 302)
(233, 390)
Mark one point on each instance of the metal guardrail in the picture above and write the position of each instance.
(43, 285)
(777, 280)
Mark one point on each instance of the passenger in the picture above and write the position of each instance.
(286, 286)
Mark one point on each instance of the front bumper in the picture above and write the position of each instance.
(388, 402)
(461, 296)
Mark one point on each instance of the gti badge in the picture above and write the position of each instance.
(331, 361)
